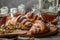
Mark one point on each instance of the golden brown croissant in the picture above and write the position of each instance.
(37, 28)
(55, 21)
(17, 14)
(22, 20)
(39, 18)
(31, 16)
(26, 24)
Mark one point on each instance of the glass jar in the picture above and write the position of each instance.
(49, 17)
(4, 10)
(13, 11)
(3, 18)
(52, 9)
(21, 8)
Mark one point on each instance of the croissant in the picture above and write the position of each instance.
(37, 28)
(38, 18)
(26, 24)
(22, 20)
(31, 16)
(54, 21)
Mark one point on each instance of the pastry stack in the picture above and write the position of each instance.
(34, 25)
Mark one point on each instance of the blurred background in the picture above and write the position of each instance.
(49, 5)
(43, 3)
(15, 3)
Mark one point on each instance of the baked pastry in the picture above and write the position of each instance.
(39, 18)
(22, 21)
(54, 22)
(26, 24)
(20, 18)
(38, 28)
(52, 31)
(31, 16)
(17, 14)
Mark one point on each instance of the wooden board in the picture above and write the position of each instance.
(23, 33)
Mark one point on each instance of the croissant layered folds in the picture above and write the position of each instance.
(37, 28)
(26, 24)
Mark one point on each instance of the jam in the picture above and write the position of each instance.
(3, 19)
(49, 16)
